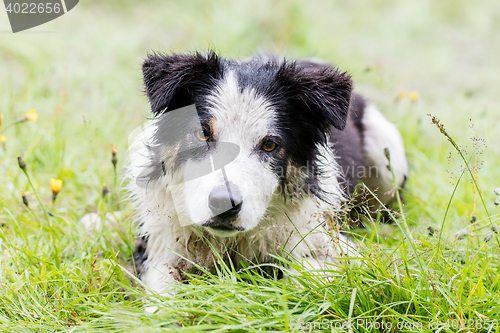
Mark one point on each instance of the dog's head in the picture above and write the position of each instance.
(255, 136)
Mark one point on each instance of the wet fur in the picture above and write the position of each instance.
(323, 135)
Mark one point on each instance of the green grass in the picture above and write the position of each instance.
(84, 81)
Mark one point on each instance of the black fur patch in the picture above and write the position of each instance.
(348, 146)
(310, 99)
(140, 255)
(175, 81)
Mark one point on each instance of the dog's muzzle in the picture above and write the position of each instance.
(225, 204)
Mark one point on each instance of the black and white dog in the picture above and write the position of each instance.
(251, 158)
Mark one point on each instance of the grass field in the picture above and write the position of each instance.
(81, 73)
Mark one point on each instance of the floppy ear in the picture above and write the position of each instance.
(323, 89)
(171, 80)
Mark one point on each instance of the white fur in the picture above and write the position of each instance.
(381, 134)
(242, 118)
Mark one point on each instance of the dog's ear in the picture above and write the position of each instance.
(324, 90)
(171, 80)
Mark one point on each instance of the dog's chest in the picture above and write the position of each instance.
(276, 236)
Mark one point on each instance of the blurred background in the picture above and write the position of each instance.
(82, 75)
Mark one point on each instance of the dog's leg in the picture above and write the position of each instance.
(160, 278)
(318, 252)
(157, 268)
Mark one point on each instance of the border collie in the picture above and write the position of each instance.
(251, 159)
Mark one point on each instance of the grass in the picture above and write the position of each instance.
(84, 81)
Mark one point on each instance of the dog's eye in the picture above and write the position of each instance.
(202, 135)
(269, 146)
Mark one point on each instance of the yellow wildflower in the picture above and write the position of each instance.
(3, 138)
(31, 115)
(55, 185)
(402, 94)
(414, 96)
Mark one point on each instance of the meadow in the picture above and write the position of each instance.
(436, 268)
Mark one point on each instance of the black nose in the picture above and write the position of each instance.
(225, 202)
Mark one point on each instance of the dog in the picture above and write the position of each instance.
(251, 159)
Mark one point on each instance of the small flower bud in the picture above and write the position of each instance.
(497, 191)
(387, 154)
(24, 195)
(114, 159)
(21, 162)
(473, 218)
(496, 202)
(105, 190)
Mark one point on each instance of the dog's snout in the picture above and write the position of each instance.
(225, 202)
